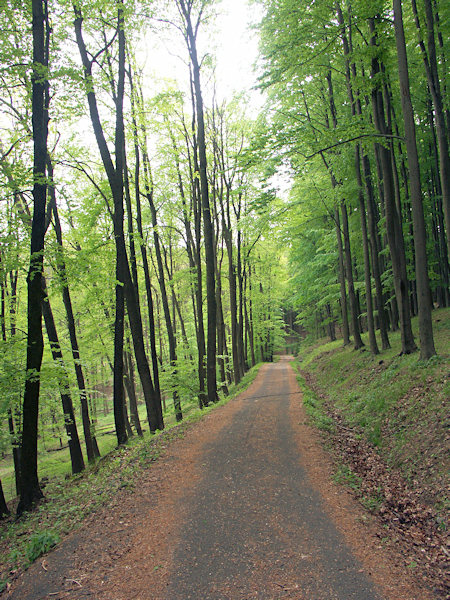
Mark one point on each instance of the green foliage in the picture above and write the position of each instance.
(345, 475)
(40, 543)
(397, 403)
(314, 407)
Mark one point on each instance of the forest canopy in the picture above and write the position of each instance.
(158, 239)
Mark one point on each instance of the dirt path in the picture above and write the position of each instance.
(242, 507)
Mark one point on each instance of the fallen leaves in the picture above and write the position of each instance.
(403, 516)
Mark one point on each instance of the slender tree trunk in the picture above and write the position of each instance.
(90, 441)
(250, 309)
(165, 302)
(76, 456)
(371, 218)
(4, 510)
(330, 325)
(393, 224)
(221, 334)
(427, 349)
(367, 275)
(345, 327)
(350, 70)
(431, 69)
(11, 425)
(240, 331)
(207, 221)
(357, 341)
(30, 490)
(149, 293)
(233, 303)
(123, 274)
(131, 391)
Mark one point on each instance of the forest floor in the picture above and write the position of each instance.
(242, 506)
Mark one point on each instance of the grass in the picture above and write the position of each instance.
(398, 403)
(54, 462)
(70, 499)
(314, 407)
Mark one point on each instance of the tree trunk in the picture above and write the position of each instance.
(357, 341)
(123, 275)
(90, 441)
(131, 391)
(250, 316)
(76, 455)
(30, 490)
(4, 510)
(12, 310)
(344, 311)
(147, 279)
(330, 323)
(165, 302)
(371, 218)
(427, 349)
(393, 224)
(207, 221)
(431, 69)
(367, 275)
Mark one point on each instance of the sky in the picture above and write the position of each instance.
(232, 42)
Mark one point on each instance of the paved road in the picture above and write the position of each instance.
(257, 528)
(231, 511)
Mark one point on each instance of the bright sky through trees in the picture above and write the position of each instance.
(231, 44)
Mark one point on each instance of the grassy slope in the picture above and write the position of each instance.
(398, 403)
(69, 500)
(386, 421)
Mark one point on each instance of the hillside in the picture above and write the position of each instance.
(386, 420)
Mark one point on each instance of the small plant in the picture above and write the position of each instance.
(371, 503)
(346, 476)
(39, 544)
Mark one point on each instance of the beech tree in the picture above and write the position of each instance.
(191, 13)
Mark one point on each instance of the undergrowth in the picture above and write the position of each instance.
(398, 403)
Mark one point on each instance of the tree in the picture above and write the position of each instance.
(124, 286)
(427, 349)
(30, 490)
(191, 26)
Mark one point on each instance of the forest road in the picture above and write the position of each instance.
(241, 507)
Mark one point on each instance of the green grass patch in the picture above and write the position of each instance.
(314, 407)
(398, 403)
(344, 475)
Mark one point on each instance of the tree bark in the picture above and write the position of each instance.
(393, 224)
(367, 275)
(165, 302)
(30, 490)
(131, 391)
(357, 341)
(123, 275)
(90, 441)
(76, 455)
(344, 311)
(431, 69)
(207, 221)
(148, 285)
(427, 349)
(4, 510)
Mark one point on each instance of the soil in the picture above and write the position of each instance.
(242, 507)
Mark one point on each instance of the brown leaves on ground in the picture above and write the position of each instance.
(417, 529)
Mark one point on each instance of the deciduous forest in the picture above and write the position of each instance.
(158, 239)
